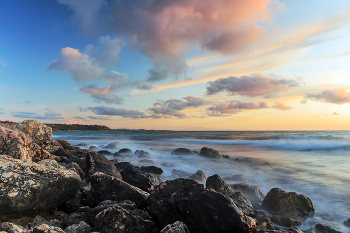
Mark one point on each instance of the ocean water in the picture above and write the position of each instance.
(313, 163)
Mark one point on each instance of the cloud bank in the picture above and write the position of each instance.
(253, 85)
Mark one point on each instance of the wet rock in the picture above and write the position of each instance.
(180, 174)
(137, 177)
(285, 221)
(93, 148)
(123, 218)
(75, 167)
(26, 187)
(325, 229)
(215, 182)
(125, 151)
(142, 154)
(121, 156)
(152, 169)
(122, 165)
(202, 210)
(105, 152)
(76, 218)
(96, 162)
(176, 227)
(82, 145)
(210, 153)
(288, 204)
(15, 144)
(225, 156)
(347, 223)
(252, 192)
(81, 227)
(11, 228)
(61, 152)
(264, 218)
(240, 178)
(105, 187)
(44, 228)
(66, 145)
(199, 176)
(111, 146)
(243, 203)
(182, 151)
(288, 230)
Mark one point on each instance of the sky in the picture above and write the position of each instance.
(177, 64)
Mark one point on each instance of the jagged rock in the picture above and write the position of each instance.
(347, 223)
(285, 221)
(264, 218)
(81, 227)
(210, 153)
(11, 228)
(199, 176)
(137, 177)
(176, 227)
(142, 154)
(75, 167)
(66, 145)
(288, 204)
(111, 146)
(202, 210)
(105, 152)
(61, 152)
(44, 228)
(252, 192)
(243, 203)
(182, 151)
(152, 169)
(325, 229)
(123, 218)
(105, 187)
(93, 148)
(27, 187)
(215, 182)
(96, 162)
(240, 178)
(122, 165)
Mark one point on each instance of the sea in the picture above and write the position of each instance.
(312, 163)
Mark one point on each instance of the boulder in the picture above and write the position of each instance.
(210, 153)
(264, 218)
(182, 151)
(123, 165)
(142, 154)
(215, 182)
(123, 218)
(105, 152)
(125, 151)
(240, 178)
(199, 176)
(149, 161)
(106, 187)
(81, 227)
(11, 228)
(66, 145)
(325, 229)
(252, 192)
(15, 144)
(180, 174)
(347, 223)
(93, 148)
(202, 210)
(176, 227)
(111, 146)
(27, 187)
(288, 230)
(285, 221)
(243, 203)
(143, 180)
(44, 228)
(96, 162)
(152, 170)
(288, 204)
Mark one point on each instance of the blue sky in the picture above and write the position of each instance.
(181, 65)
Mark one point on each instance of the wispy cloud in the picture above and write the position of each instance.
(49, 115)
(281, 106)
(102, 118)
(228, 107)
(110, 111)
(338, 96)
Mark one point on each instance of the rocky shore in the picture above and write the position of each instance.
(51, 186)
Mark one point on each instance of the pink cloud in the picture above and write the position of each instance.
(338, 96)
(281, 106)
(95, 89)
(233, 107)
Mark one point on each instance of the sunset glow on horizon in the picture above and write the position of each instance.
(177, 65)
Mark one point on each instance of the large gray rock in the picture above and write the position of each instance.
(288, 204)
(15, 144)
(202, 210)
(243, 203)
(96, 162)
(27, 187)
(105, 187)
(182, 151)
(199, 176)
(252, 192)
